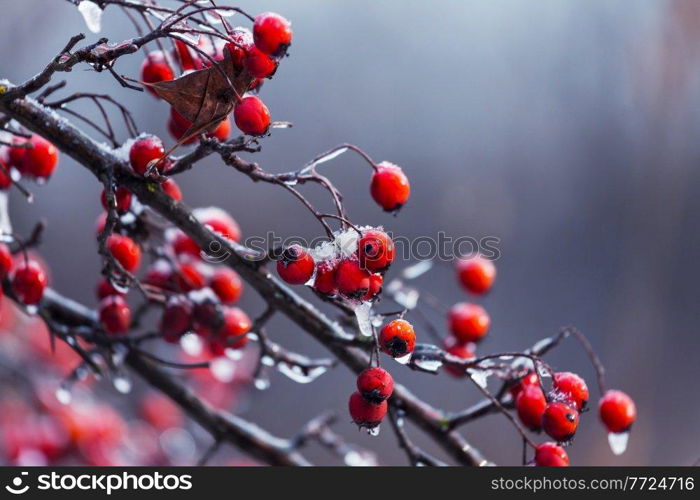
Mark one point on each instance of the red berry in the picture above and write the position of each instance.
(241, 41)
(376, 281)
(529, 379)
(572, 388)
(29, 281)
(222, 131)
(125, 251)
(160, 275)
(5, 261)
(105, 289)
(227, 285)
(144, 151)
(476, 274)
(100, 223)
(551, 455)
(184, 245)
(468, 322)
(184, 56)
(375, 384)
(617, 411)
(252, 116)
(325, 278)
(176, 319)
(397, 338)
(178, 126)
(259, 64)
(530, 405)
(560, 421)
(461, 350)
(172, 189)
(222, 224)
(375, 250)
(232, 333)
(352, 280)
(189, 277)
(296, 265)
(41, 159)
(364, 413)
(16, 153)
(272, 33)
(5, 176)
(123, 196)
(390, 187)
(155, 68)
(115, 314)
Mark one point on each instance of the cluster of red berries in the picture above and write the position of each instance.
(255, 55)
(357, 276)
(468, 322)
(558, 411)
(27, 276)
(34, 158)
(368, 406)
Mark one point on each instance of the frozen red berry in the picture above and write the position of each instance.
(115, 314)
(272, 33)
(476, 274)
(176, 319)
(390, 187)
(617, 411)
(222, 224)
(375, 250)
(375, 384)
(155, 68)
(364, 413)
(123, 198)
(460, 350)
(5, 176)
(325, 278)
(144, 152)
(241, 41)
(105, 289)
(29, 281)
(296, 265)
(397, 338)
(528, 379)
(351, 279)
(252, 116)
(125, 251)
(376, 281)
(5, 261)
(232, 333)
(530, 405)
(227, 285)
(560, 421)
(189, 277)
(468, 322)
(572, 388)
(259, 64)
(41, 159)
(551, 455)
(172, 189)
(187, 59)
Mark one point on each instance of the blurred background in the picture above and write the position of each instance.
(567, 129)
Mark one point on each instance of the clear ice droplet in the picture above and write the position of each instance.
(618, 442)
(63, 395)
(122, 384)
(404, 359)
(373, 431)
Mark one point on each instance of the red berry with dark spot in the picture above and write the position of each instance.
(397, 338)
(364, 413)
(125, 251)
(115, 315)
(176, 319)
(172, 189)
(375, 250)
(41, 159)
(376, 281)
(272, 33)
(252, 116)
(29, 281)
(296, 265)
(560, 421)
(123, 196)
(468, 322)
(5, 261)
(352, 280)
(460, 350)
(227, 285)
(325, 278)
(390, 187)
(144, 151)
(259, 64)
(572, 388)
(105, 289)
(551, 455)
(617, 411)
(155, 68)
(530, 405)
(476, 274)
(375, 384)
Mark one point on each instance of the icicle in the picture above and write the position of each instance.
(298, 375)
(418, 269)
(362, 314)
(618, 442)
(92, 14)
